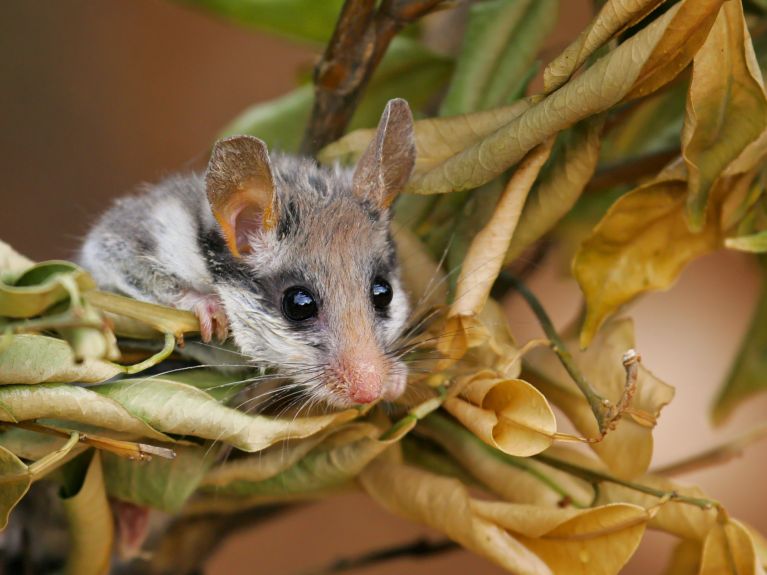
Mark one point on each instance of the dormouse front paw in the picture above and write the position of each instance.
(210, 313)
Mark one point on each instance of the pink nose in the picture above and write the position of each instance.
(362, 380)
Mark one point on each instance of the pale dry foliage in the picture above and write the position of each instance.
(473, 449)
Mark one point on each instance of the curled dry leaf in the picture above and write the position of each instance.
(436, 139)
(70, 403)
(161, 318)
(487, 251)
(640, 65)
(614, 17)
(12, 263)
(173, 407)
(40, 286)
(627, 450)
(509, 414)
(729, 550)
(726, 107)
(560, 186)
(328, 467)
(524, 539)
(16, 480)
(513, 479)
(627, 253)
(91, 527)
(41, 359)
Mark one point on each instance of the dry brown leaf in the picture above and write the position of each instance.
(487, 251)
(615, 16)
(627, 450)
(726, 107)
(628, 251)
(524, 539)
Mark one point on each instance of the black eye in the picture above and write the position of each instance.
(381, 293)
(298, 304)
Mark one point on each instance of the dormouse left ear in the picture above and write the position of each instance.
(385, 166)
(240, 190)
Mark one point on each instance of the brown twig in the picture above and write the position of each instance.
(630, 171)
(358, 44)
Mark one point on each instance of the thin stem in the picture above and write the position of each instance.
(420, 548)
(128, 449)
(595, 477)
(599, 405)
(168, 347)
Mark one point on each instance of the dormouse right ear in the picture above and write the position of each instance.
(240, 190)
(386, 165)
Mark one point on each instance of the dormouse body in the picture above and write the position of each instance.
(294, 259)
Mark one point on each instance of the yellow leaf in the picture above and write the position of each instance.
(628, 252)
(680, 519)
(90, 525)
(627, 450)
(525, 539)
(683, 36)
(509, 414)
(729, 550)
(615, 16)
(685, 559)
(726, 106)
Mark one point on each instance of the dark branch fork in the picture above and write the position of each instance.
(358, 44)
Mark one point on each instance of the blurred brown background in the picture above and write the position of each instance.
(100, 95)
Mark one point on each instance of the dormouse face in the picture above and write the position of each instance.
(317, 292)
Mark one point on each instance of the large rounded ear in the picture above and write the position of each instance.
(240, 190)
(385, 166)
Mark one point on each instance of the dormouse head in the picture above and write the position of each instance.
(316, 290)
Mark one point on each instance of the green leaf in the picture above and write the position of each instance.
(160, 483)
(755, 243)
(308, 20)
(408, 70)
(39, 287)
(500, 44)
(42, 359)
(279, 122)
(747, 374)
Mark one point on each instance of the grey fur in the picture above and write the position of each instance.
(331, 237)
(165, 242)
